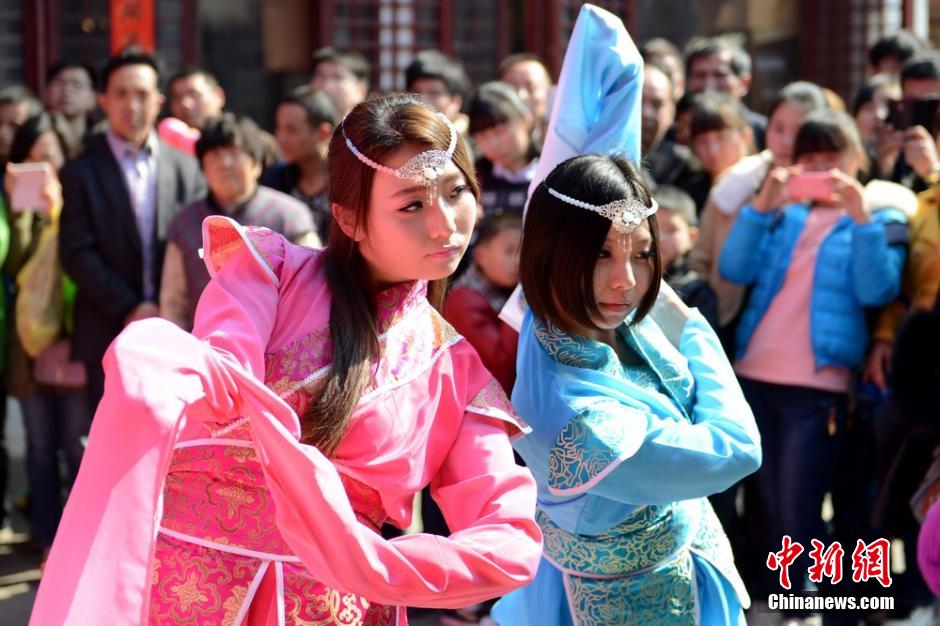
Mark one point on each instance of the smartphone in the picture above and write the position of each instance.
(906, 113)
(811, 186)
(29, 180)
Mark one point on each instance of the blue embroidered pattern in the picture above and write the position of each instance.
(665, 597)
(645, 338)
(590, 443)
(593, 440)
(641, 571)
(650, 538)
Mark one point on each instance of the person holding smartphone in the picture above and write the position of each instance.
(55, 410)
(816, 254)
(909, 127)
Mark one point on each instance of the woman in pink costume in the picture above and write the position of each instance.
(240, 475)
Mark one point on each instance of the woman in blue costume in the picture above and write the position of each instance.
(636, 417)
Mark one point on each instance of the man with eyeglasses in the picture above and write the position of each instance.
(343, 75)
(70, 93)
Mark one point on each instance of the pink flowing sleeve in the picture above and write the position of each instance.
(157, 378)
(235, 317)
(487, 499)
(236, 312)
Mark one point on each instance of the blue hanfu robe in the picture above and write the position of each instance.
(624, 457)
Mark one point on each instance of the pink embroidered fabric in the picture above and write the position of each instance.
(255, 527)
(216, 494)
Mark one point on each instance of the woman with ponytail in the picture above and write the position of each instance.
(240, 474)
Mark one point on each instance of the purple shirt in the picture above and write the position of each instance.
(139, 166)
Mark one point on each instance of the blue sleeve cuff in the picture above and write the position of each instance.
(592, 444)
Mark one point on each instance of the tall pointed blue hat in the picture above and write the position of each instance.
(596, 108)
(597, 103)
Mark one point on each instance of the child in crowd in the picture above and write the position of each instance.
(737, 187)
(815, 267)
(472, 307)
(719, 132)
(678, 230)
(502, 127)
(477, 297)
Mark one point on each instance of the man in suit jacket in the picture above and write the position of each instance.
(119, 198)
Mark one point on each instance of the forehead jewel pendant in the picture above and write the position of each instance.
(424, 168)
(625, 215)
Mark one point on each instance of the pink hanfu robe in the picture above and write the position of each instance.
(196, 504)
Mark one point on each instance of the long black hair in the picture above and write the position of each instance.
(378, 128)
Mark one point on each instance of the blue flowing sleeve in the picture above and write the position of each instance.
(621, 449)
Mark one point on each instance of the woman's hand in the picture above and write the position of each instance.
(849, 193)
(879, 364)
(52, 194)
(920, 150)
(773, 193)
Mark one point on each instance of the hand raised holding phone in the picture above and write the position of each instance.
(920, 150)
(832, 188)
(773, 193)
(811, 186)
(850, 194)
(33, 187)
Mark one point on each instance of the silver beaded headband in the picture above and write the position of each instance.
(625, 215)
(424, 168)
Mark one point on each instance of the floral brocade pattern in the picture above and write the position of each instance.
(218, 494)
(650, 538)
(665, 597)
(590, 443)
(576, 351)
(641, 571)
(269, 245)
(197, 585)
(661, 359)
(492, 401)
(296, 371)
(311, 603)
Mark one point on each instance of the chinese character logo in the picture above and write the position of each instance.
(826, 563)
(872, 560)
(783, 559)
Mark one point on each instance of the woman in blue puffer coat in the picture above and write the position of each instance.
(816, 255)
